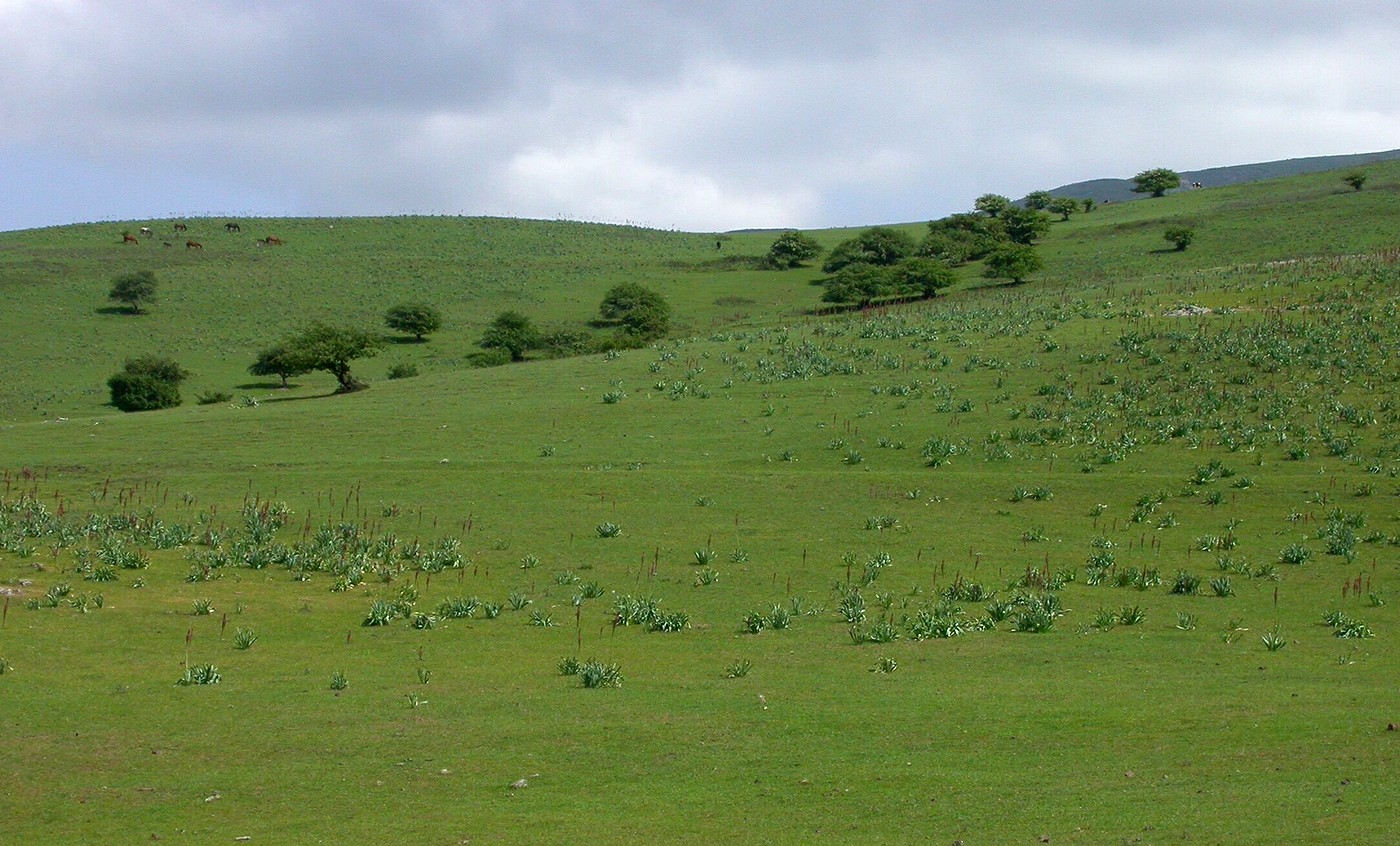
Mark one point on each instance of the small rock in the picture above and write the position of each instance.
(1129, 774)
(519, 784)
(1391, 727)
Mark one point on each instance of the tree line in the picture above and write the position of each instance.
(636, 316)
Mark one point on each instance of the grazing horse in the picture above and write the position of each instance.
(180, 227)
(128, 238)
(165, 243)
(232, 227)
(193, 245)
(272, 241)
(146, 230)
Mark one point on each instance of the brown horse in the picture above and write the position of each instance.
(128, 238)
(193, 245)
(180, 227)
(272, 241)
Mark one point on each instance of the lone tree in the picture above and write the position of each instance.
(513, 332)
(1063, 206)
(791, 249)
(1038, 200)
(147, 383)
(1088, 204)
(281, 361)
(992, 205)
(134, 289)
(1014, 262)
(1157, 181)
(640, 313)
(1181, 236)
(332, 348)
(417, 319)
(1355, 179)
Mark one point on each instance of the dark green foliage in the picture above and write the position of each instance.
(1181, 236)
(147, 383)
(791, 249)
(992, 205)
(859, 283)
(332, 348)
(214, 397)
(133, 289)
(878, 245)
(512, 332)
(1014, 262)
(1023, 226)
(1088, 205)
(962, 238)
(1156, 181)
(403, 371)
(1038, 200)
(640, 313)
(1355, 179)
(925, 276)
(278, 361)
(417, 319)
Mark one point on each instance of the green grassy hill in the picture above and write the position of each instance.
(1119, 190)
(1023, 562)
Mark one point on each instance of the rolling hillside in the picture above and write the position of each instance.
(1064, 561)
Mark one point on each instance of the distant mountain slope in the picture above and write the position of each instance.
(1118, 190)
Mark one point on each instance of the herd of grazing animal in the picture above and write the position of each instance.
(230, 227)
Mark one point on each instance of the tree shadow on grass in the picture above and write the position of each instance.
(265, 386)
(298, 398)
(126, 310)
(405, 339)
(1165, 251)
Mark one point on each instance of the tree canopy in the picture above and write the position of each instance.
(791, 249)
(1181, 236)
(417, 319)
(133, 289)
(147, 383)
(1014, 262)
(332, 348)
(992, 205)
(512, 332)
(641, 313)
(1038, 200)
(1063, 206)
(1157, 181)
(281, 361)
(1023, 226)
(878, 245)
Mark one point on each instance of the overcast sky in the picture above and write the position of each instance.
(692, 115)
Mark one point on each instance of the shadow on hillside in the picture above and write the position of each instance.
(266, 386)
(298, 398)
(119, 310)
(404, 339)
(1165, 251)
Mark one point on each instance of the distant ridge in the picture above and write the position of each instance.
(1119, 190)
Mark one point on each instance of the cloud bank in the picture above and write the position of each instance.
(714, 116)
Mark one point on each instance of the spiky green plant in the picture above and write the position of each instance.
(199, 674)
(608, 530)
(244, 638)
(738, 669)
(596, 674)
(1274, 640)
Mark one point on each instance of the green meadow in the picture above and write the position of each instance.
(1109, 556)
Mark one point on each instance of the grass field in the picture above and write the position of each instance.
(1019, 557)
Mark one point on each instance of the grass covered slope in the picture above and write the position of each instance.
(1012, 556)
